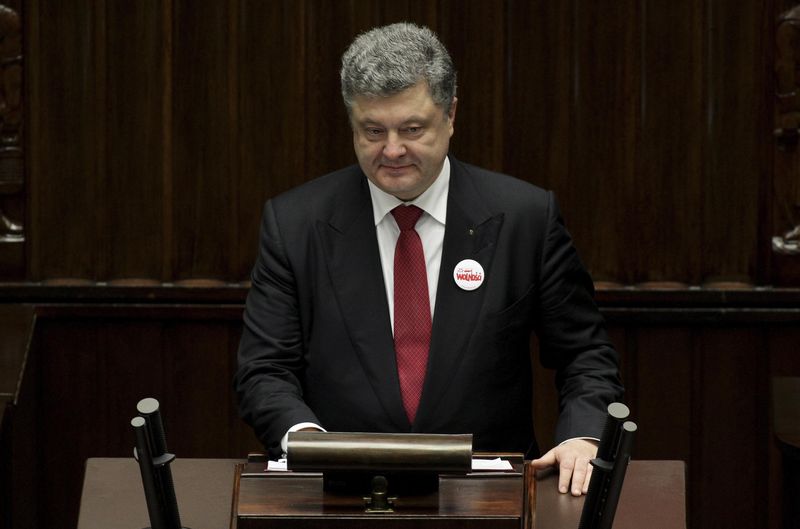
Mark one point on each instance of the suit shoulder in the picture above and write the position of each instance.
(336, 196)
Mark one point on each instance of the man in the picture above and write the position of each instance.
(399, 294)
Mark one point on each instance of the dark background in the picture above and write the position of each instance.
(140, 140)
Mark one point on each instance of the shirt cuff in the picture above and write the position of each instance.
(297, 427)
(577, 438)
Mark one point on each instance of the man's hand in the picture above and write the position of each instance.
(572, 458)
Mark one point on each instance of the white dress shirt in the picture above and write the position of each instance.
(430, 228)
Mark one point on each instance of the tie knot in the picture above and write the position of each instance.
(406, 216)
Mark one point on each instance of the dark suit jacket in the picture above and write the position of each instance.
(317, 344)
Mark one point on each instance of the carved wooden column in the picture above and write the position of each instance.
(12, 174)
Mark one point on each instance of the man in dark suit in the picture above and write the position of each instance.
(399, 294)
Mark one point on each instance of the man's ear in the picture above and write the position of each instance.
(452, 113)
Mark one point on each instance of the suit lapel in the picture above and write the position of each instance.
(471, 233)
(351, 251)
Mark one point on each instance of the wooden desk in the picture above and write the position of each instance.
(653, 496)
(113, 497)
(279, 500)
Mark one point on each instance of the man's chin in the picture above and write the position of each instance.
(403, 190)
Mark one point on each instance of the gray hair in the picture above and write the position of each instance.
(389, 59)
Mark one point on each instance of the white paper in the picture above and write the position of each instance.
(277, 466)
(491, 464)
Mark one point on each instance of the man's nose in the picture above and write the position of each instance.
(394, 147)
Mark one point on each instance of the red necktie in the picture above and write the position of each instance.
(412, 309)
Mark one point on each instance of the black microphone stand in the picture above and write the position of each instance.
(608, 474)
(151, 453)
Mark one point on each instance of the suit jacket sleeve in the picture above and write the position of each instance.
(572, 336)
(270, 358)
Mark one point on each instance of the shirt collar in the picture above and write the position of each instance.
(433, 201)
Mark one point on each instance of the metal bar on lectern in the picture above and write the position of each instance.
(149, 409)
(617, 477)
(617, 413)
(603, 465)
(152, 492)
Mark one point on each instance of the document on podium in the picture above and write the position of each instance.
(491, 464)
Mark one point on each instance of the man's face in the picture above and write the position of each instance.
(401, 140)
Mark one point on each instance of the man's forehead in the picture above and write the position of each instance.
(412, 103)
(368, 118)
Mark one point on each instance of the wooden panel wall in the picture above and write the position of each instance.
(698, 391)
(157, 129)
(87, 370)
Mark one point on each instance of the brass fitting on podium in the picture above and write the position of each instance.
(379, 500)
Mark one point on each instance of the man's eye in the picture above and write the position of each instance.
(413, 130)
(374, 132)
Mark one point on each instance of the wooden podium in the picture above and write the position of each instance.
(654, 496)
(478, 500)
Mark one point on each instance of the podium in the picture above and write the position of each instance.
(653, 496)
(477, 500)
